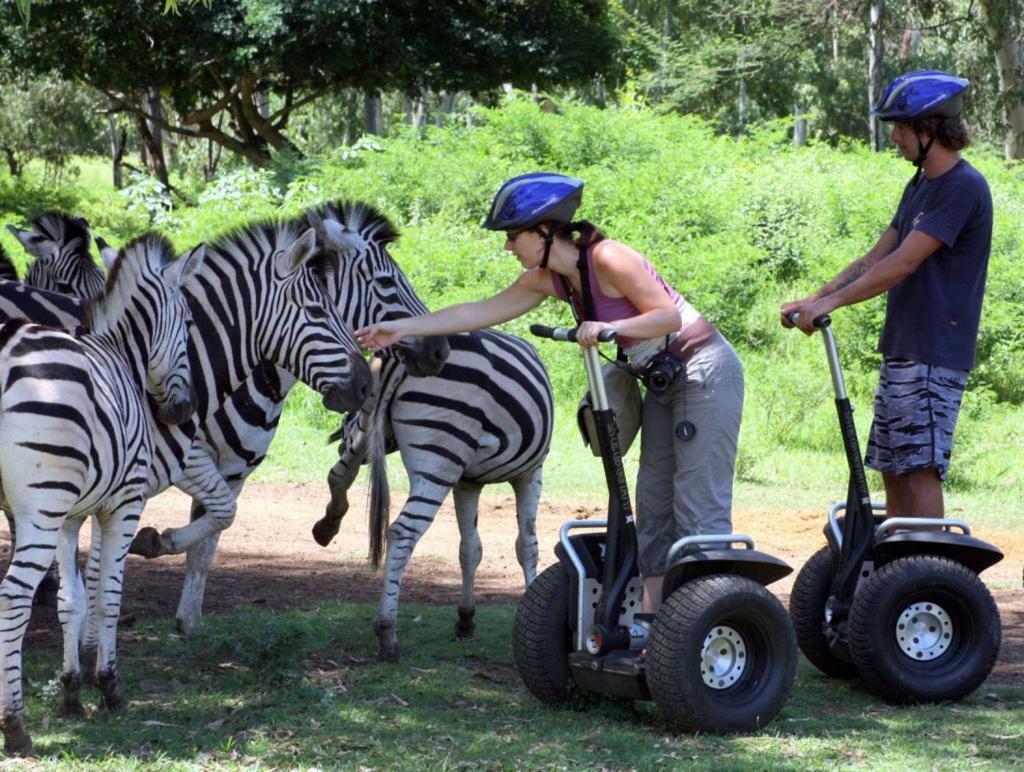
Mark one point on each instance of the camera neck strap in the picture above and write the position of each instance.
(583, 266)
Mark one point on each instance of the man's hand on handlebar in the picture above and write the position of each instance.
(808, 311)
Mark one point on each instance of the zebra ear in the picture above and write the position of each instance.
(187, 266)
(25, 237)
(299, 252)
(107, 252)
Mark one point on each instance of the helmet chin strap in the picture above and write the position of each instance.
(549, 239)
(922, 153)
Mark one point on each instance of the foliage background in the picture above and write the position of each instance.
(738, 224)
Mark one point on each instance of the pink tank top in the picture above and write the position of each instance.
(693, 333)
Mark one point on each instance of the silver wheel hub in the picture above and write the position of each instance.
(723, 657)
(924, 631)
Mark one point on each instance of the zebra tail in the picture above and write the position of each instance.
(380, 491)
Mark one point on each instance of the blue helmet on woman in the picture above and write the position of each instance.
(921, 94)
(531, 199)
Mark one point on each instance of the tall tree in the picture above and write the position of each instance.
(1002, 19)
(220, 58)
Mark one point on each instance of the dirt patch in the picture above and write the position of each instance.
(268, 558)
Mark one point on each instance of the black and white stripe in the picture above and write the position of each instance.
(59, 243)
(262, 314)
(367, 286)
(485, 418)
(77, 437)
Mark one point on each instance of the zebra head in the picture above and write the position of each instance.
(369, 286)
(60, 244)
(310, 338)
(145, 314)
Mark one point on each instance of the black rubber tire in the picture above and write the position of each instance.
(541, 639)
(686, 617)
(975, 635)
(811, 589)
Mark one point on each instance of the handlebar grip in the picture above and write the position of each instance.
(566, 333)
(821, 322)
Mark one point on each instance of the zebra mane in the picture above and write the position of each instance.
(8, 271)
(362, 218)
(273, 232)
(101, 305)
(61, 226)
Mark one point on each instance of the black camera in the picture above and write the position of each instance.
(661, 371)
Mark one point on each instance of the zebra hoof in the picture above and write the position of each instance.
(185, 625)
(112, 687)
(17, 741)
(387, 638)
(465, 628)
(325, 529)
(148, 543)
(70, 703)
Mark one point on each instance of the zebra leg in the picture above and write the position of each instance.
(467, 507)
(197, 569)
(46, 595)
(339, 479)
(116, 534)
(91, 635)
(203, 481)
(527, 490)
(28, 565)
(71, 611)
(425, 497)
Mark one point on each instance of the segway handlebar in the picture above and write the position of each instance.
(566, 333)
(821, 322)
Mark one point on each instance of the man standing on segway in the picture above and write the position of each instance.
(932, 261)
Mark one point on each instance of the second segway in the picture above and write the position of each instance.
(720, 654)
(894, 600)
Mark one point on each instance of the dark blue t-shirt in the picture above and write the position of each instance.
(932, 315)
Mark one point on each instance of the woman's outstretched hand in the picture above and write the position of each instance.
(381, 335)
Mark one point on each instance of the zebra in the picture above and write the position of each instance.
(59, 242)
(253, 303)
(368, 286)
(77, 437)
(487, 417)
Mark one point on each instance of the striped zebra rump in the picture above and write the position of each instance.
(487, 417)
(77, 438)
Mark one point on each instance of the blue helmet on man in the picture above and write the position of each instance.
(531, 199)
(921, 94)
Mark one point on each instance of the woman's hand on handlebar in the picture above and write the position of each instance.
(587, 332)
(381, 335)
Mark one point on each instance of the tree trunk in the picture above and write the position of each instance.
(875, 53)
(419, 110)
(152, 156)
(154, 106)
(799, 127)
(1002, 23)
(12, 162)
(118, 144)
(372, 112)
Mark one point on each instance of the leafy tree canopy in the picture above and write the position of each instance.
(219, 56)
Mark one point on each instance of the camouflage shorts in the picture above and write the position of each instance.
(916, 407)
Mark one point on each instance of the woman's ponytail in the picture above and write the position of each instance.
(589, 234)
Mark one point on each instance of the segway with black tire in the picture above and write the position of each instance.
(719, 656)
(897, 601)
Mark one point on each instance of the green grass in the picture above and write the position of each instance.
(303, 689)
